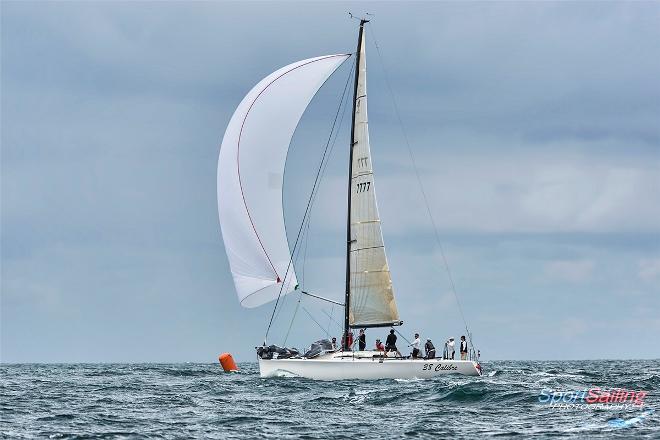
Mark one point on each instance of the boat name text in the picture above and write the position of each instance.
(439, 367)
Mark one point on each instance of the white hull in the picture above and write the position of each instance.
(364, 365)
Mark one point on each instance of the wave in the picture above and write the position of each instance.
(284, 373)
(197, 400)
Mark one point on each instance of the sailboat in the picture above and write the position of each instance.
(250, 169)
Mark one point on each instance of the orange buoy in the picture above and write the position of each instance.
(227, 362)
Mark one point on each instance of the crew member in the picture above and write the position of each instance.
(415, 346)
(451, 351)
(390, 343)
(429, 349)
(334, 344)
(363, 340)
(350, 341)
(464, 348)
(379, 345)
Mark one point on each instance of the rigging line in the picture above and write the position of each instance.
(306, 239)
(302, 283)
(295, 312)
(322, 298)
(305, 236)
(281, 308)
(296, 250)
(310, 315)
(306, 217)
(315, 191)
(341, 327)
(325, 166)
(295, 245)
(332, 310)
(336, 135)
(404, 338)
(341, 120)
(300, 295)
(309, 217)
(296, 253)
(421, 186)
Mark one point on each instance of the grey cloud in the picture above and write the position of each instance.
(534, 125)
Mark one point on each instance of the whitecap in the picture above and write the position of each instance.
(284, 373)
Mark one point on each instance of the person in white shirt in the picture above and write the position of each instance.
(415, 346)
(450, 348)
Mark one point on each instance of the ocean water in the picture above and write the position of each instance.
(200, 400)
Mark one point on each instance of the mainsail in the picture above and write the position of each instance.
(371, 296)
(250, 174)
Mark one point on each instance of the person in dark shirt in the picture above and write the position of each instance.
(429, 349)
(464, 348)
(362, 340)
(390, 343)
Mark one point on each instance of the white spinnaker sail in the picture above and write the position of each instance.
(372, 298)
(250, 174)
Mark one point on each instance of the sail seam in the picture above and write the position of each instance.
(367, 248)
(238, 151)
(367, 173)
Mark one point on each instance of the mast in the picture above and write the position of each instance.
(347, 299)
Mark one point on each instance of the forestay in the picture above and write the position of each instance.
(371, 298)
(250, 174)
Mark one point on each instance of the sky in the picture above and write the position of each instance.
(535, 128)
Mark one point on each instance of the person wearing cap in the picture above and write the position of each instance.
(429, 349)
(334, 343)
(379, 345)
(450, 348)
(415, 346)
